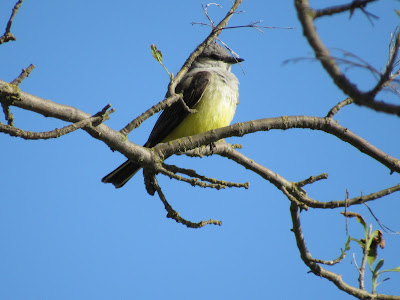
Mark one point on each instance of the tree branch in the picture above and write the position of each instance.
(329, 11)
(8, 36)
(58, 132)
(216, 31)
(319, 271)
(25, 73)
(172, 214)
(162, 151)
(306, 17)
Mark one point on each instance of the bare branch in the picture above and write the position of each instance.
(215, 183)
(11, 95)
(148, 113)
(312, 179)
(58, 132)
(8, 114)
(334, 110)
(172, 214)
(293, 199)
(357, 4)
(386, 77)
(330, 262)
(306, 17)
(25, 73)
(239, 129)
(205, 9)
(6, 108)
(8, 36)
(364, 262)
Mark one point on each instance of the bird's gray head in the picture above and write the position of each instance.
(216, 52)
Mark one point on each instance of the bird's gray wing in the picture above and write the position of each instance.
(193, 88)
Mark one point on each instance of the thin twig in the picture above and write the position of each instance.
(8, 36)
(383, 226)
(8, 114)
(29, 135)
(360, 4)
(182, 72)
(318, 270)
(334, 110)
(386, 76)
(355, 263)
(172, 214)
(24, 73)
(215, 183)
(330, 262)
(312, 179)
(364, 261)
(148, 113)
(306, 17)
(211, 37)
(345, 210)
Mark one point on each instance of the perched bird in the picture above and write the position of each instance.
(210, 88)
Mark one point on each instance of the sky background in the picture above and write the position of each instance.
(66, 235)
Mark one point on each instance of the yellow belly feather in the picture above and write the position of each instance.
(215, 109)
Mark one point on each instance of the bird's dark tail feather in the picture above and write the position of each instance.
(122, 174)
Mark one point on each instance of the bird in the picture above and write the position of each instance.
(210, 88)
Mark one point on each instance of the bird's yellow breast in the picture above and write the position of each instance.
(215, 109)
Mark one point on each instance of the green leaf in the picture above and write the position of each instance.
(391, 270)
(371, 259)
(361, 243)
(347, 244)
(156, 53)
(372, 246)
(361, 220)
(378, 266)
(397, 12)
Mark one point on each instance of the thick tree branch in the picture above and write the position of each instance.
(294, 189)
(316, 123)
(162, 151)
(11, 95)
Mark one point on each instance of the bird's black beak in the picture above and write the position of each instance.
(235, 60)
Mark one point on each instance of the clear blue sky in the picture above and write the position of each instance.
(65, 235)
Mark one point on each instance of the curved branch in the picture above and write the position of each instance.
(48, 108)
(290, 189)
(162, 151)
(319, 271)
(316, 123)
(306, 17)
(172, 214)
(58, 132)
